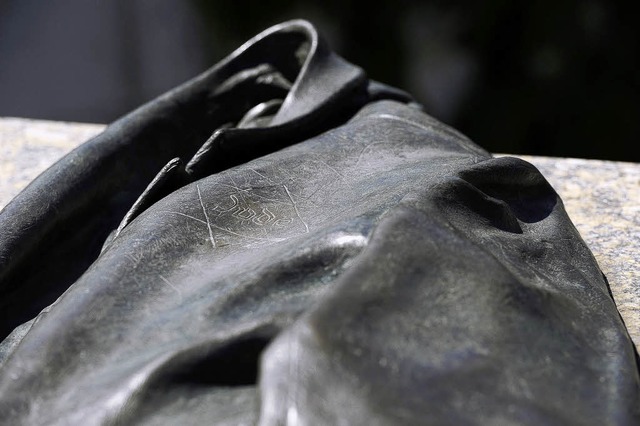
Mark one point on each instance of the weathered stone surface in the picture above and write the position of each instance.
(29, 147)
(603, 201)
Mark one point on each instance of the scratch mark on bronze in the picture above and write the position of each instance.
(281, 223)
(364, 150)
(295, 207)
(235, 187)
(185, 215)
(324, 163)
(253, 193)
(241, 191)
(234, 199)
(271, 200)
(261, 175)
(265, 217)
(428, 128)
(133, 260)
(167, 282)
(245, 236)
(318, 189)
(285, 171)
(206, 216)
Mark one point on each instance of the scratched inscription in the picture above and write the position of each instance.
(247, 217)
(245, 214)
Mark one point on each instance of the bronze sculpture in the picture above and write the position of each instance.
(283, 241)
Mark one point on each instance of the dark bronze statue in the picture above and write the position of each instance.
(282, 241)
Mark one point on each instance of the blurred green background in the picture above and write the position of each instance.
(543, 78)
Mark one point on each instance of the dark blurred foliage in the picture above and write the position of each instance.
(551, 78)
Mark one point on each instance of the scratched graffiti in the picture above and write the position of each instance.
(246, 211)
(246, 214)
